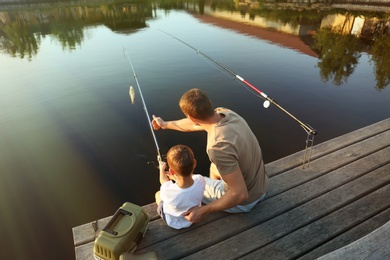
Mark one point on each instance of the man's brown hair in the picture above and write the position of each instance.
(196, 103)
(181, 159)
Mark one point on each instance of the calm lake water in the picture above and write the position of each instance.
(73, 146)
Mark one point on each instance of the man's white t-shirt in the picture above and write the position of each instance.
(178, 200)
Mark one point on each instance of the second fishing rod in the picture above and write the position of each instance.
(311, 132)
(267, 99)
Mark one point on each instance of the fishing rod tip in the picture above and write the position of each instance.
(309, 130)
(312, 131)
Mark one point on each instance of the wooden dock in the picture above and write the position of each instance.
(338, 205)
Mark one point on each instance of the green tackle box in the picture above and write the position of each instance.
(122, 233)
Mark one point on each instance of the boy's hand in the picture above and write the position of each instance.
(162, 166)
(164, 175)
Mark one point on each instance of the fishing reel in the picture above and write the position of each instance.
(162, 158)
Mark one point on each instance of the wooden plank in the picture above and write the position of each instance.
(310, 236)
(300, 216)
(159, 232)
(372, 246)
(160, 237)
(322, 149)
(337, 159)
(350, 236)
(86, 233)
(216, 232)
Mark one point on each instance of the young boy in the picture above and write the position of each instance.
(175, 198)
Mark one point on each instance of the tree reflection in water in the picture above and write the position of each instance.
(381, 59)
(339, 55)
(339, 45)
(19, 40)
(21, 30)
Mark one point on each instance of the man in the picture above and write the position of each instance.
(237, 175)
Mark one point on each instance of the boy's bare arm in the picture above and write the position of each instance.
(163, 173)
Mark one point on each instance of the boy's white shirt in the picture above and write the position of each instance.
(179, 200)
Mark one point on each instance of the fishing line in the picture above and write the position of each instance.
(306, 127)
(126, 54)
(218, 68)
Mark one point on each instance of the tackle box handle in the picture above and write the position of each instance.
(119, 214)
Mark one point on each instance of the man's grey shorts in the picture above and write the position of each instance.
(216, 188)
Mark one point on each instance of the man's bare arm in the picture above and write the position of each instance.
(236, 194)
(183, 125)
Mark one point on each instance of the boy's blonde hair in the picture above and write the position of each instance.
(196, 103)
(181, 159)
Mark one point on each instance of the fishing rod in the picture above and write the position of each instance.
(311, 132)
(159, 158)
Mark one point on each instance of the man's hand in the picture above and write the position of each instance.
(158, 123)
(194, 214)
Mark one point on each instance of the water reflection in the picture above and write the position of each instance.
(381, 60)
(73, 145)
(343, 37)
(336, 38)
(18, 40)
(21, 30)
(339, 55)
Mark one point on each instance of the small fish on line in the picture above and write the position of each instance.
(132, 94)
